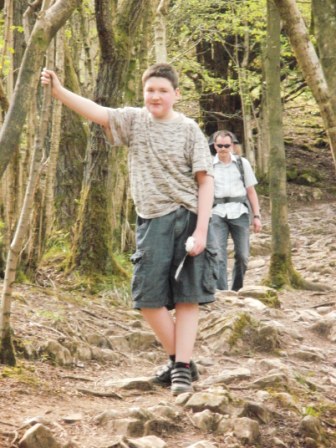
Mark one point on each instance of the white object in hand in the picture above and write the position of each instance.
(189, 245)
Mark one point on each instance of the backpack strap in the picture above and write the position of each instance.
(241, 169)
(242, 175)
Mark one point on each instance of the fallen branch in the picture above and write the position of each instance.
(96, 393)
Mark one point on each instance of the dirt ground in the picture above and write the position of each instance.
(39, 391)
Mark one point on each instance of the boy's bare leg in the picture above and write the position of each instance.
(185, 330)
(163, 326)
(177, 338)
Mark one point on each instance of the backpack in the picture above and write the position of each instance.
(242, 176)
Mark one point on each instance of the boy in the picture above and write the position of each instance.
(171, 178)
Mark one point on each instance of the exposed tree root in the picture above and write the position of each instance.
(7, 353)
(282, 274)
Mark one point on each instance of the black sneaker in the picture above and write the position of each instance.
(181, 380)
(163, 375)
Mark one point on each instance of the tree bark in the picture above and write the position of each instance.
(281, 270)
(54, 141)
(4, 104)
(10, 176)
(246, 103)
(73, 144)
(160, 37)
(90, 68)
(310, 65)
(7, 355)
(219, 111)
(37, 225)
(45, 28)
(117, 26)
(324, 13)
(281, 247)
(263, 123)
(11, 183)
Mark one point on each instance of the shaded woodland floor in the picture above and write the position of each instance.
(40, 391)
(69, 399)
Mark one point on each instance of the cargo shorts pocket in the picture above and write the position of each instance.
(138, 274)
(210, 272)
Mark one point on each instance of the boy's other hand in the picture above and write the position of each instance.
(199, 244)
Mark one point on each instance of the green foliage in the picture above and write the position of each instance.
(282, 273)
(243, 324)
(21, 373)
(53, 316)
(232, 25)
(304, 381)
(309, 176)
(115, 288)
(214, 24)
(117, 279)
(58, 250)
(87, 6)
(2, 232)
(292, 173)
(17, 28)
(68, 33)
(311, 410)
(22, 277)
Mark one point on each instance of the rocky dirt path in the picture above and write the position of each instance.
(268, 372)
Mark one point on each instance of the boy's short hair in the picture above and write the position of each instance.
(161, 70)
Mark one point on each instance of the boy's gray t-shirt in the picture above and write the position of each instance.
(163, 159)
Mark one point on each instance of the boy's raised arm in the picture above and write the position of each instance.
(83, 106)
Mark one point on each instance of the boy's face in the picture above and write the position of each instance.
(160, 97)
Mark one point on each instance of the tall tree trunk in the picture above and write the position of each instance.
(310, 65)
(281, 271)
(37, 226)
(8, 43)
(44, 30)
(142, 54)
(246, 103)
(160, 37)
(219, 111)
(11, 184)
(4, 104)
(263, 123)
(93, 238)
(281, 264)
(90, 72)
(7, 355)
(19, 48)
(45, 27)
(70, 166)
(10, 178)
(324, 14)
(54, 140)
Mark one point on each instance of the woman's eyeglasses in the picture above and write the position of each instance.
(222, 146)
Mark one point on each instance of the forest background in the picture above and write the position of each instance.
(261, 69)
